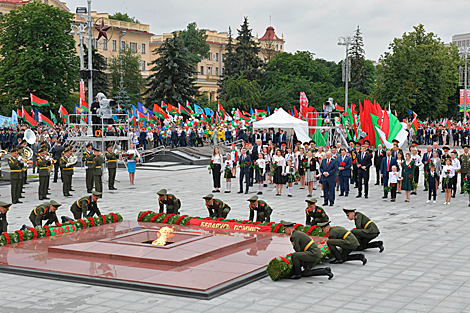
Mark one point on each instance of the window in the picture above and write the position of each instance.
(217, 71)
(217, 57)
(133, 47)
(143, 48)
(209, 70)
(105, 44)
(209, 56)
(281, 47)
(202, 70)
(143, 65)
(123, 45)
(114, 45)
(277, 47)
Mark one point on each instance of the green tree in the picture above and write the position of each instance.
(419, 73)
(360, 79)
(100, 84)
(246, 53)
(174, 76)
(194, 40)
(129, 63)
(123, 17)
(230, 64)
(38, 56)
(241, 93)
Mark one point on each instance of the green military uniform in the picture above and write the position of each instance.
(85, 207)
(22, 172)
(306, 254)
(43, 166)
(263, 210)
(87, 159)
(173, 204)
(112, 167)
(15, 178)
(97, 172)
(67, 173)
(365, 231)
(317, 215)
(339, 237)
(464, 166)
(3, 217)
(218, 208)
(41, 213)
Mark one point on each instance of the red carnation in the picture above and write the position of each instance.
(342, 164)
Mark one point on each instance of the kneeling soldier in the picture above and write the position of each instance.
(217, 208)
(306, 254)
(339, 237)
(365, 230)
(86, 206)
(4, 207)
(315, 214)
(173, 204)
(45, 211)
(263, 210)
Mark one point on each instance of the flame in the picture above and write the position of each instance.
(163, 235)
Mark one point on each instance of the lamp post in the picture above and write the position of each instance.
(345, 41)
(464, 51)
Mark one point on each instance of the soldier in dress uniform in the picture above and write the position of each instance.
(87, 159)
(22, 171)
(112, 158)
(263, 210)
(97, 172)
(15, 176)
(365, 230)
(86, 206)
(312, 146)
(464, 166)
(67, 172)
(315, 214)
(306, 254)
(217, 208)
(4, 207)
(43, 170)
(173, 204)
(339, 237)
(45, 211)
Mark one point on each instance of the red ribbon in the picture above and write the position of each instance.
(297, 225)
(7, 237)
(20, 235)
(277, 227)
(168, 217)
(270, 223)
(35, 232)
(114, 217)
(180, 218)
(142, 215)
(104, 219)
(285, 260)
(83, 223)
(58, 224)
(219, 219)
(48, 231)
(309, 231)
(155, 217)
(92, 221)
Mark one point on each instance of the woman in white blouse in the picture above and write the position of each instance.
(216, 164)
(278, 162)
(132, 159)
(446, 179)
(417, 158)
(456, 165)
(400, 161)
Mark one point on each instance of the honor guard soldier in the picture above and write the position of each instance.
(43, 169)
(365, 230)
(263, 210)
(173, 204)
(67, 172)
(217, 208)
(4, 207)
(45, 211)
(97, 172)
(87, 159)
(339, 237)
(15, 176)
(112, 158)
(86, 206)
(22, 171)
(306, 254)
(315, 214)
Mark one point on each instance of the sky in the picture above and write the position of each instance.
(307, 25)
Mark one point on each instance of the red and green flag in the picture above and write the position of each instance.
(182, 109)
(415, 123)
(172, 109)
(159, 112)
(63, 113)
(84, 105)
(28, 119)
(220, 108)
(38, 101)
(43, 119)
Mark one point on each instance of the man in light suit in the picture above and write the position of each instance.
(244, 163)
(329, 169)
(344, 172)
(385, 168)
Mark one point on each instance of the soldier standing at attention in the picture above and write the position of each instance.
(15, 176)
(112, 166)
(315, 214)
(217, 208)
(43, 170)
(45, 211)
(306, 254)
(87, 159)
(339, 237)
(97, 172)
(67, 172)
(365, 230)
(22, 171)
(86, 206)
(173, 204)
(464, 166)
(263, 210)
(4, 207)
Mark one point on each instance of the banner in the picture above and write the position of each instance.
(229, 225)
(6, 121)
(462, 99)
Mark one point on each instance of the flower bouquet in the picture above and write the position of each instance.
(129, 156)
(465, 187)
(413, 183)
(274, 168)
(227, 172)
(256, 167)
(211, 166)
(447, 178)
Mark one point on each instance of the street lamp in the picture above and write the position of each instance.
(346, 41)
(464, 51)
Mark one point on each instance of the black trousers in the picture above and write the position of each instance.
(216, 175)
(377, 175)
(454, 184)
(245, 174)
(354, 176)
(363, 177)
(432, 191)
(394, 190)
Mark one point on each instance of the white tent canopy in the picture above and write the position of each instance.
(283, 120)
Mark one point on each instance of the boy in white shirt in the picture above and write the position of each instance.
(393, 178)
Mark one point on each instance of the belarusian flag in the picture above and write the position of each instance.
(20, 113)
(43, 119)
(28, 119)
(38, 101)
(415, 123)
(63, 112)
(172, 109)
(221, 109)
(189, 107)
(159, 112)
(182, 109)
(339, 108)
(83, 105)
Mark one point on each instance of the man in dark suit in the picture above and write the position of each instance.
(419, 135)
(282, 138)
(329, 169)
(426, 160)
(435, 148)
(379, 154)
(385, 168)
(244, 163)
(344, 168)
(56, 155)
(427, 136)
(174, 138)
(364, 162)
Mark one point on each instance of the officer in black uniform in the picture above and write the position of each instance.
(173, 204)
(263, 210)
(217, 208)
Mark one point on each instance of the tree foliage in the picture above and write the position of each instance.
(360, 79)
(38, 56)
(174, 76)
(123, 17)
(419, 73)
(194, 40)
(100, 84)
(241, 93)
(246, 53)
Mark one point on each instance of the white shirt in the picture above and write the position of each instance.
(393, 177)
(135, 153)
(446, 168)
(456, 164)
(217, 158)
(262, 165)
(279, 159)
(417, 159)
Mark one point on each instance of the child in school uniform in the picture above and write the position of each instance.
(259, 174)
(289, 175)
(227, 170)
(433, 183)
(393, 179)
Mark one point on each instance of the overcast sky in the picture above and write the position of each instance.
(306, 25)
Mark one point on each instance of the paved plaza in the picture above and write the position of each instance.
(424, 267)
